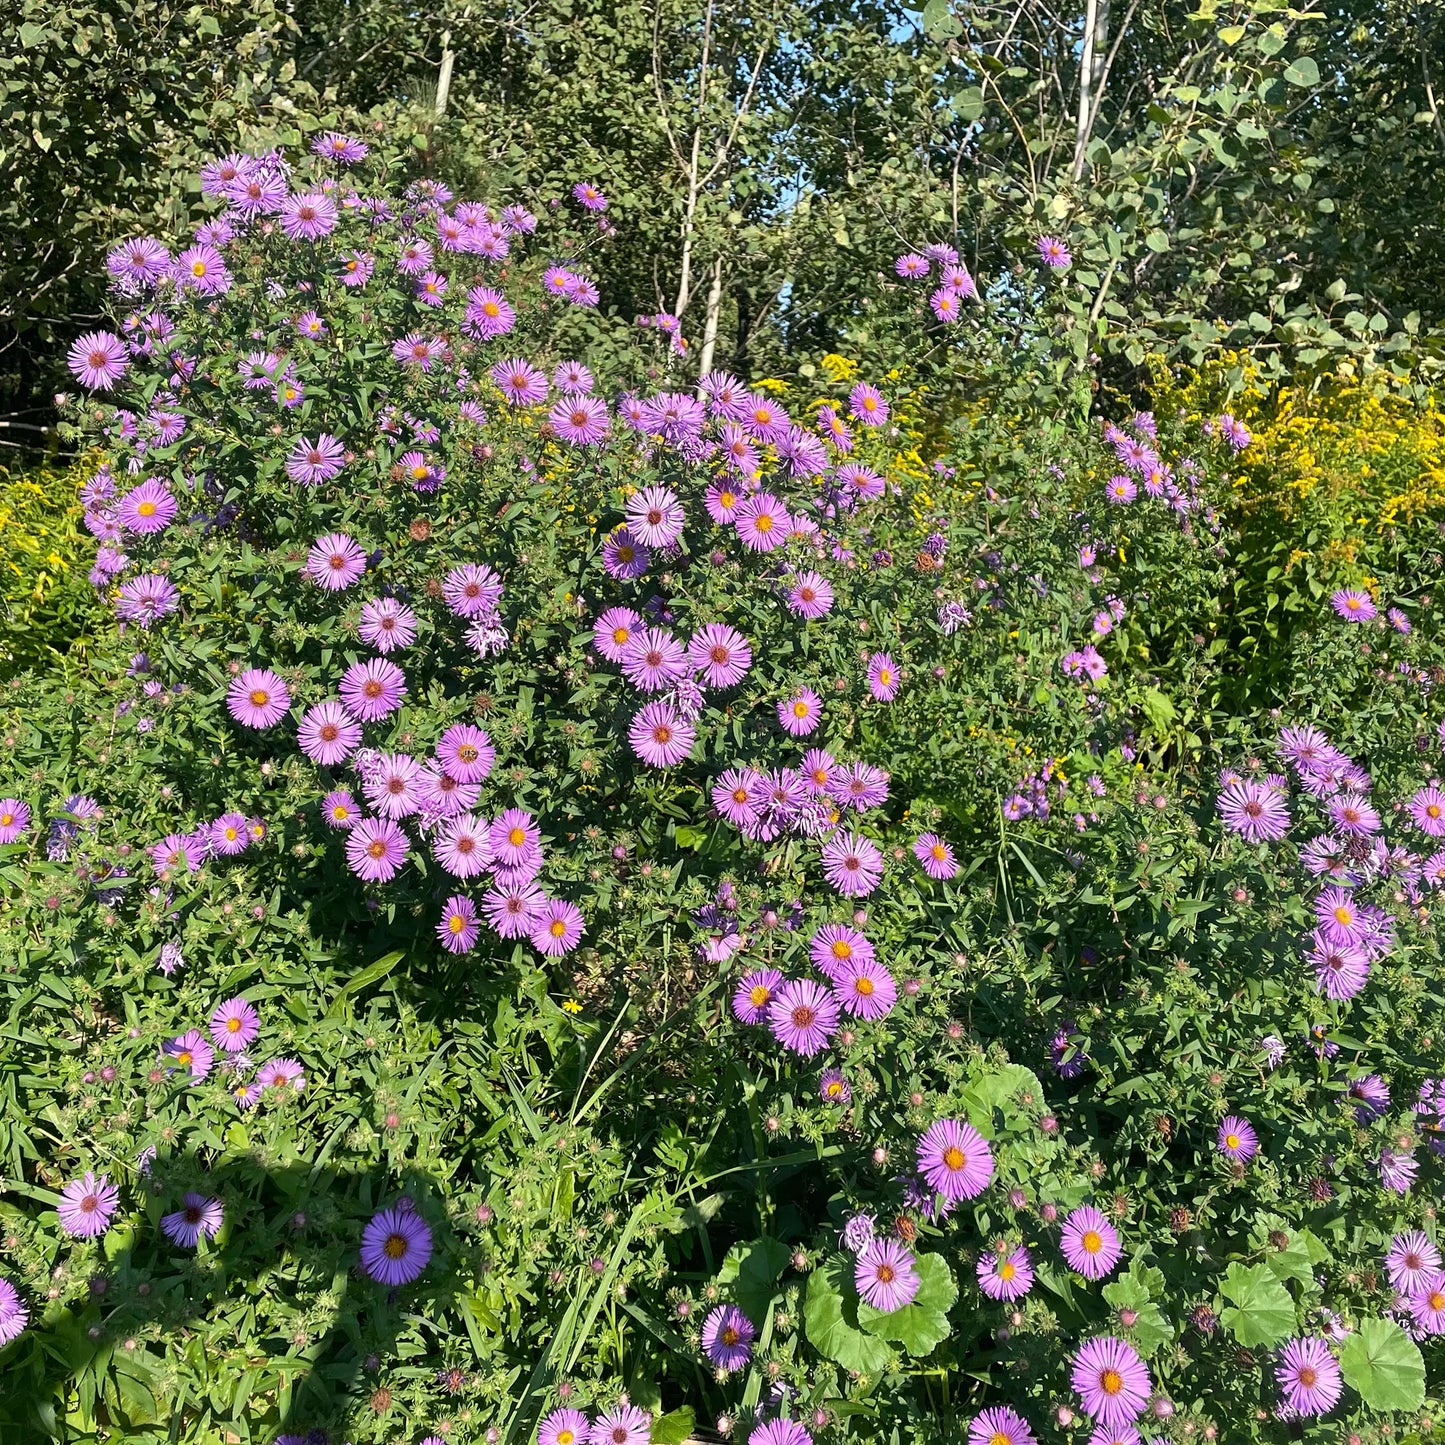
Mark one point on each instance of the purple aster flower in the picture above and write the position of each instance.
(622, 1425)
(660, 736)
(14, 819)
(1112, 1381)
(589, 196)
(1000, 1426)
(911, 266)
(514, 837)
(780, 1432)
(98, 360)
(818, 770)
(886, 1275)
(727, 1337)
(234, 1025)
(459, 929)
(800, 714)
(372, 690)
(386, 624)
(489, 314)
(229, 835)
(866, 405)
(883, 679)
(936, 857)
(719, 653)
(1352, 815)
(1341, 919)
(561, 1427)
(415, 349)
(177, 850)
(1237, 1139)
(146, 599)
(1053, 253)
(197, 1215)
(1397, 1171)
(342, 148)
(755, 993)
(1353, 604)
(1309, 1379)
(946, 304)
(191, 1052)
(836, 948)
(520, 383)
(375, 849)
(1399, 621)
(472, 590)
(1426, 1303)
(810, 596)
(395, 1245)
(803, 1016)
(955, 1160)
(613, 630)
(1090, 1244)
(466, 752)
(308, 217)
(624, 557)
(1372, 1096)
(852, 864)
(762, 522)
(653, 660)
(1005, 1276)
(257, 698)
(137, 265)
(14, 1313)
(202, 269)
(282, 1075)
(1427, 811)
(833, 1087)
(1341, 968)
(312, 462)
(859, 786)
(392, 786)
(1411, 1261)
(865, 988)
(655, 516)
(513, 910)
(580, 420)
(146, 509)
(86, 1205)
(328, 734)
(558, 928)
(430, 288)
(334, 562)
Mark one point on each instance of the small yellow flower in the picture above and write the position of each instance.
(572, 1006)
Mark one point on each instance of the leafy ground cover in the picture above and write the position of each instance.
(577, 905)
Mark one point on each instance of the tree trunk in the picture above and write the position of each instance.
(714, 310)
(1091, 76)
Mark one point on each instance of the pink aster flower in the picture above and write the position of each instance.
(886, 1275)
(462, 846)
(328, 734)
(883, 677)
(312, 462)
(737, 795)
(458, 928)
(472, 590)
(1111, 1380)
(228, 835)
(335, 561)
(955, 1160)
(660, 735)
(98, 360)
(234, 1025)
(1411, 1260)
(1090, 1244)
(762, 522)
(800, 714)
(720, 654)
(513, 912)
(1427, 811)
(14, 819)
(613, 630)
(936, 856)
(308, 217)
(1005, 1276)
(521, 383)
(727, 1337)
(865, 988)
(817, 770)
(810, 596)
(466, 752)
(558, 928)
(257, 698)
(1353, 604)
(562, 1427)
(1053, 253)
(386, 624)
(754, 994)
(191, 1052)
(803, 1016)
(1309, 1379)
(147, 509)
(376, 849)
(623, 556)
(339, 810)
(654, 660)
(392, 787)
(1237, 1139)
(852, 864)
(86, 1205)
(1000, 1426)
(837, 947)
(372, 690)
(655, 516)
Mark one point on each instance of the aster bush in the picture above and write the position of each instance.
(575, 901)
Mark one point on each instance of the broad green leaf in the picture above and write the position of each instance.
(672, 1428)
(921, 1325)
(1303, 71)
(1385, 1365)
(749, 1273)
(830, 1317)
(1262, 1312)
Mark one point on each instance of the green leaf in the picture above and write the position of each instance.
(1132, 1291)
(996, 1090)
(1385, 1365)
(368, 976)
(830, 1316)
(1302, 71)
(1158, 709)
(939, 21)
(687, 836)
(921, 1325)
(1157, 240)
(673, 1428)
(1263, 1312)
(749, 1273)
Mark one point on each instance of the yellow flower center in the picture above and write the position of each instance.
(456, 923)
(1007, 1270)
(1231, 1141)
(517, 837)
(1111, 1382)
(765, 523)
(864, 986)
(953, 1157)
(800, 708)
(1092, 1241)
(147, 509)
(758, 995)
(395, 1246)
(260, 697)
